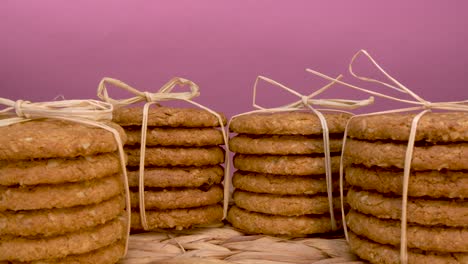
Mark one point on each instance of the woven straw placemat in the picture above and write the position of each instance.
(225, 245)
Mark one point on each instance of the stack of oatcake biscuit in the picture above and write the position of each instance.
(61, 193)
(280, 185)
(182, 166)
(437, 214)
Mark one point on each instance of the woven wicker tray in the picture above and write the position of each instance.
(224, 245)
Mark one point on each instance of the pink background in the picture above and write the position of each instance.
(50, 48)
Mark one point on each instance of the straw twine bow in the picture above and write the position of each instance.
(306, 102)
(420, 105)
(88, 112)
(164, 94)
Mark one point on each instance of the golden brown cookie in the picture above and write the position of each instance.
(179, 218)
(378, 253)
(48, 138)
(281, 184)
(164, 157)
(436, 157)
(84, 241)
(287, 205)
(436, 184)
(287, 123)
(281, 144)
(432, 127)
(59, 221)
(167, 117)
(105, 255)
(60, 195)
(420, 211)
(431, 238)
(257, 223)
(60, 170)
(179, 198)
(185, 137)
(191, 177)
(285, 165)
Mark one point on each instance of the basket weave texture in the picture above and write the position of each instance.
(224, 245)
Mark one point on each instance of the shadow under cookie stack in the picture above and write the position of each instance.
(437, 214)
(61, 194)
(182, 174)
(280, 185)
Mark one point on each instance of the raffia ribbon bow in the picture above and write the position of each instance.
(164, 94)
(307, 102)
(87, 112)
(67, 109)
(420, 104)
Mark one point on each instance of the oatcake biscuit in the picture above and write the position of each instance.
(59, 221)
(48, 138)
(280, 144)
(280, 184)
(287, 123)
(378, 253)
(436, 157)
(432, 238)
(287, 205)
(60, 195)
(188, 137)
(179, 198)
(179, 218)
(167, 117)
(105, 255)
(420, 211)
(83, 241)
(286, 165)
(254, 223)
(436, 184)
(60, 170)
(178, 177)
(176, 156)
(432, 127)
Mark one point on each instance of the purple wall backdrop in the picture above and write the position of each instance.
(53, 47)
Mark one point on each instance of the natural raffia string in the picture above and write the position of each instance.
(307, 102)
(88, 112)
(164, 94)
(419, 105)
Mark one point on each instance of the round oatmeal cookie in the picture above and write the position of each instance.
(162, 116)
(435, 184)
(106, 255)
(281, 184)
(257, 223)
(59, 221)
(431, 238)
(420, 211)
(436, 157)
(60, 170)
(185, 137)
(287, 205)
(179, 198)
(49, 138)
(377, 253)
(281, 144)
(164, 157)
(81, 242)
(60, 195)
(179, 218)
(288, 123)
(191, 177)
(432, 127)
(286, 165)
